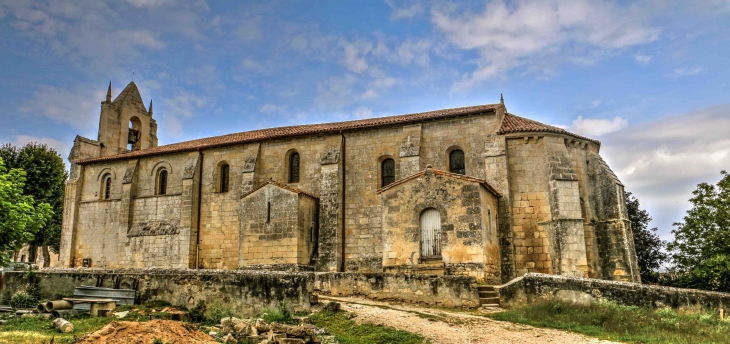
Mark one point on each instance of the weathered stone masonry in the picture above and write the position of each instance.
(533, 198)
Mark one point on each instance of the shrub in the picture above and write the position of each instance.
(197, 314)
(218, 311)
(280, 314)
(23, 299)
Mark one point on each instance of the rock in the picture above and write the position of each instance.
(233, 325)
(261, 325)
(250, 331)
(294, 331)
(121, 314)
(291, 341)
(328, 340)
(229, 339)
(273, 337)
(332, 306)
(213, 334)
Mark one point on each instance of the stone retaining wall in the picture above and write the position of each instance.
(449, 291)
(533, 287)
(247, 292)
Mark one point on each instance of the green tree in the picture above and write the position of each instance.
(45, 174)
(701, 245)
(20, 216)
(649, 247)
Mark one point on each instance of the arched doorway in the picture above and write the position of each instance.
(430, 233)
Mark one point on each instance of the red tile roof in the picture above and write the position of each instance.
(283, 186)
(483, 182)
(282, 132)
(517, 124)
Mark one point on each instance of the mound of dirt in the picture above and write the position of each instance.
(123, 332)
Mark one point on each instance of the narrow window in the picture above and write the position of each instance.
(107, 187)
(456, 162)
(294, 168)
(387, 172)
(268, 212)
(224, 178)
(162, 183)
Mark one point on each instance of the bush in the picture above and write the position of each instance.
(197, 314)
(23, 299)
(219, 311)
(280, 314)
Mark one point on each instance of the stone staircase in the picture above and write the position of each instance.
(488, 298)
(431, 268)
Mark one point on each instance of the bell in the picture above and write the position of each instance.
(132, 136)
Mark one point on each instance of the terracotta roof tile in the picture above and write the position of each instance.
(517, 124)
(283, 186)
(282, 132)
(441, 173)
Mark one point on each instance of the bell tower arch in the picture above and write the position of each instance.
(125, 124)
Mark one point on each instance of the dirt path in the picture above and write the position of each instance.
(442, 326)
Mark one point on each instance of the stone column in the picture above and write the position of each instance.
(329, 256)
(189, 211)
(71, 200)
(495, 161)
(409, 150)
(126, 209)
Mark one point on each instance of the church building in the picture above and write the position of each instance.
(466, 191)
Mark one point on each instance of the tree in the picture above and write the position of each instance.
(46, 175)
(701, 246)
(649, 247)
(20, 216)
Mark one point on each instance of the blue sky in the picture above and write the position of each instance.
(650, 79)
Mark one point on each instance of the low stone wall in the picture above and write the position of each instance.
(247, 292)
(533, 287)
(450, 291)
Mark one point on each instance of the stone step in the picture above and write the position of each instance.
(437, 271)
(488, 294)
(489, 301)
(486, 288)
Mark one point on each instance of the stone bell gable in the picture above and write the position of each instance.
(465, 191)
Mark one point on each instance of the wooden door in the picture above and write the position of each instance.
(430, 233)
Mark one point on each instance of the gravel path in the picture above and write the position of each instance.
(441, 326)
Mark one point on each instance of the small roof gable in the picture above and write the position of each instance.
(516, 124)
(280, 185)
(130, 95)
(482, 182)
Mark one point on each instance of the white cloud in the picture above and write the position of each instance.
(79, 108)
(595, 104)
(183, 106)
(530, 32)
(643, 59)
(686, 71)
(407, 11)
(354, 56)
(663, 161)
(272, 108)
(362, 112)
(597, 126)
(61, 147)
(149, 3)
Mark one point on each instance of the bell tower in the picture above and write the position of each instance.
(125, 124)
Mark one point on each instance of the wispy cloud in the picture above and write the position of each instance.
(597, 126)
(531, 32)
(78, 107)
(405, 9)
(61, 147)
(272, 108)
(643, 59)
(686, 71)
(362, 112)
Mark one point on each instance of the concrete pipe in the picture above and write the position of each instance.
(58, 305)
(42, 308)
(63, 325)
(65, 313)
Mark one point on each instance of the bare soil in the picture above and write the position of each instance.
(129, 332)
(442, 326)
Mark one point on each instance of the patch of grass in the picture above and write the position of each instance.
(37, 330)
(280, 314)
(631, 324)
(348, 332)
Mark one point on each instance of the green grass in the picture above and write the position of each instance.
(630, 324)
(348, 332)
(37, 330)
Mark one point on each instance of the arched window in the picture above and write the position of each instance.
(456, 161)
(162, 182)
(294, 168)
(224, 178)
(106, 186)
(387, 172)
